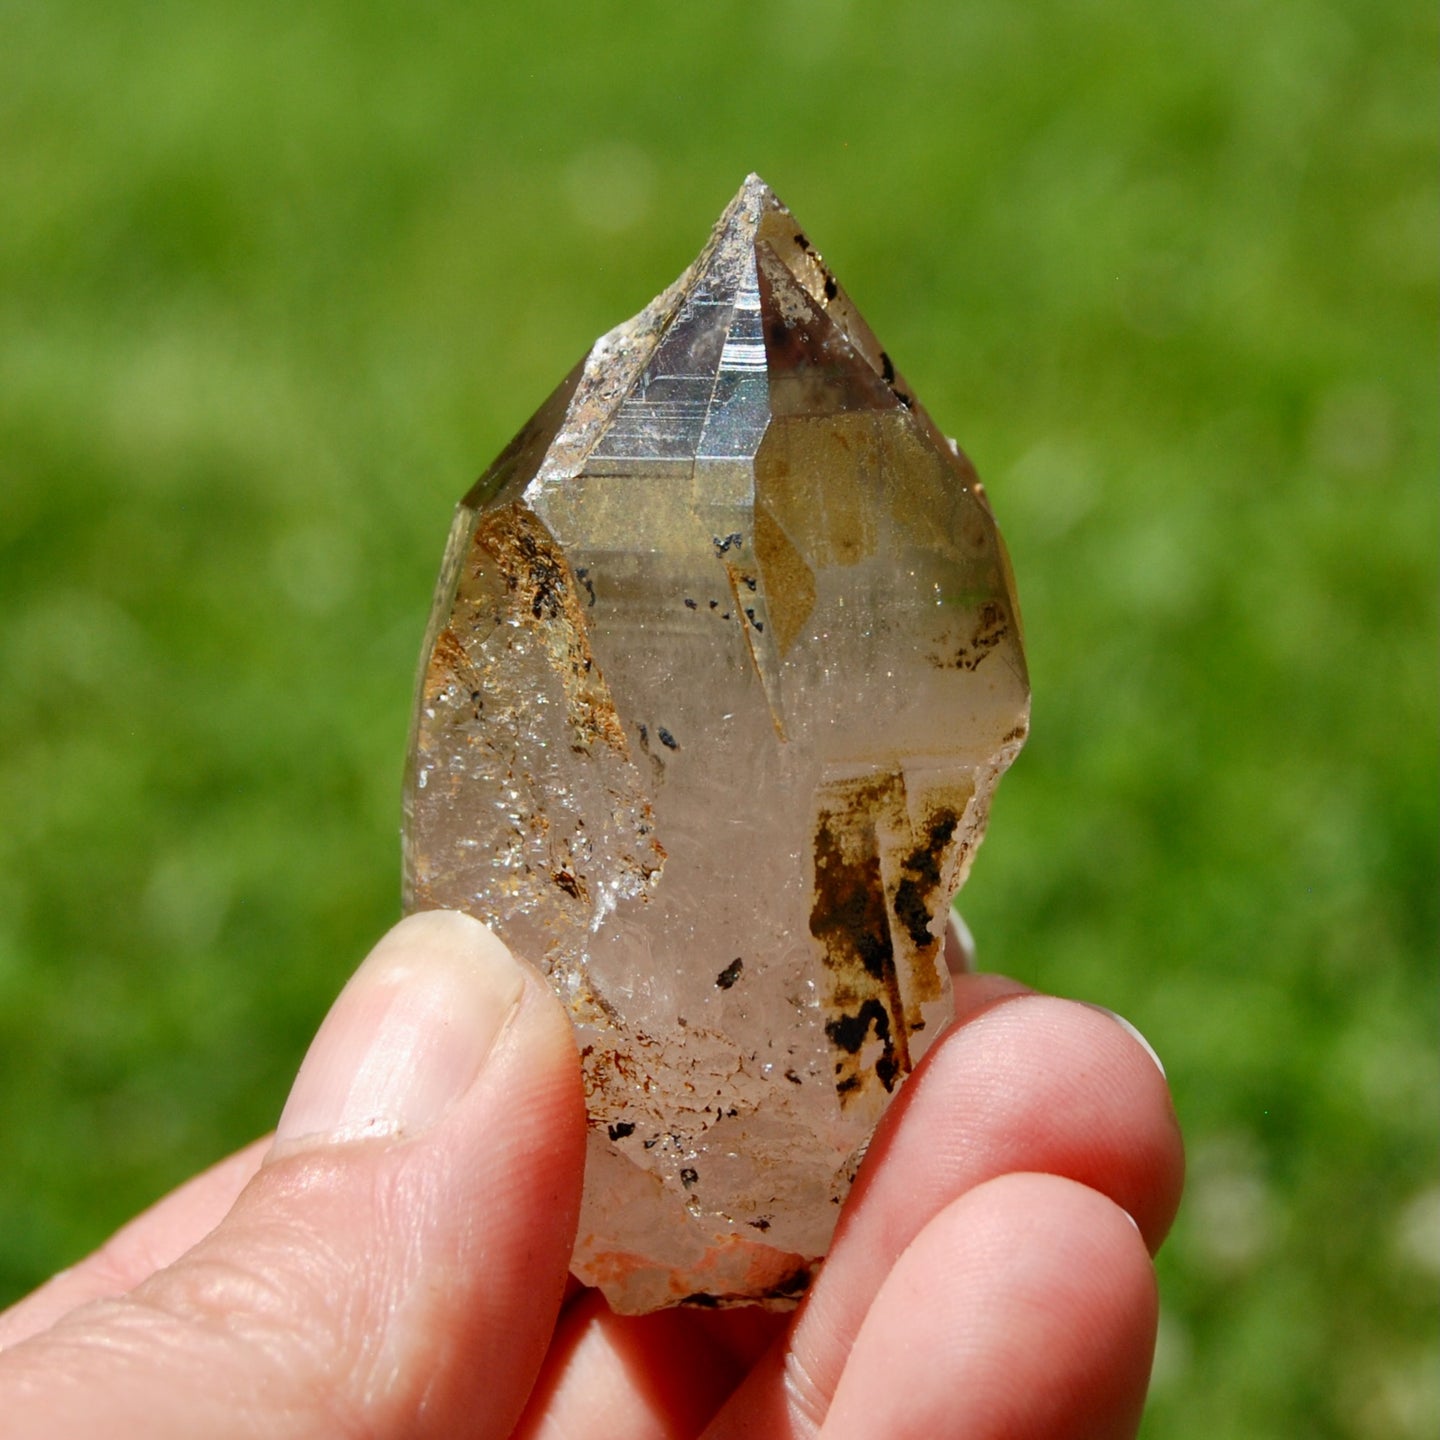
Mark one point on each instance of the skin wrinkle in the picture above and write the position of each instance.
(156, 1238)
(240, 1376)
(806, 1399)
(408, 1196)
(410, 1206)
(334, 1308)
(320, 1321)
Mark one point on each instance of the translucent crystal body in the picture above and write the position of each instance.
(724, 665)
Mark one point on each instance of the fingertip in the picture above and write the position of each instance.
(407, 1036)
(1133, 1031)
(1020, 1063)
(1026, 1307)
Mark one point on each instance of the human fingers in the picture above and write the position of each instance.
(1025, 1310)
(646, 1377)
(395, 1266)
(1022, 1083)
(662, 1376)
(653, 1377)
(154, 1239)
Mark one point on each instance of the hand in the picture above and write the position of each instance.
(394, 1261)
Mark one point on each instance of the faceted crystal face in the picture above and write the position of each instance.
(723, 667)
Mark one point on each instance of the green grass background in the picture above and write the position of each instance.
(277, 280)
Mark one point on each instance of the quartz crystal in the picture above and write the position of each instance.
(723, 667)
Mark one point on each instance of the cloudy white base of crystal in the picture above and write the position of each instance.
(724, 665)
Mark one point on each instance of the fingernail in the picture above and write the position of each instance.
(1144, 1044)
(959, 945)
(408, 1035)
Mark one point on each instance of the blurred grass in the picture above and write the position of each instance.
(276, 281)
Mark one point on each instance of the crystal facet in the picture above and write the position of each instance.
(723, 667)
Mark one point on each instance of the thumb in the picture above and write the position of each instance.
(396, 1266)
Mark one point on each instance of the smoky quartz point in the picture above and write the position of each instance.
(723, 668)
